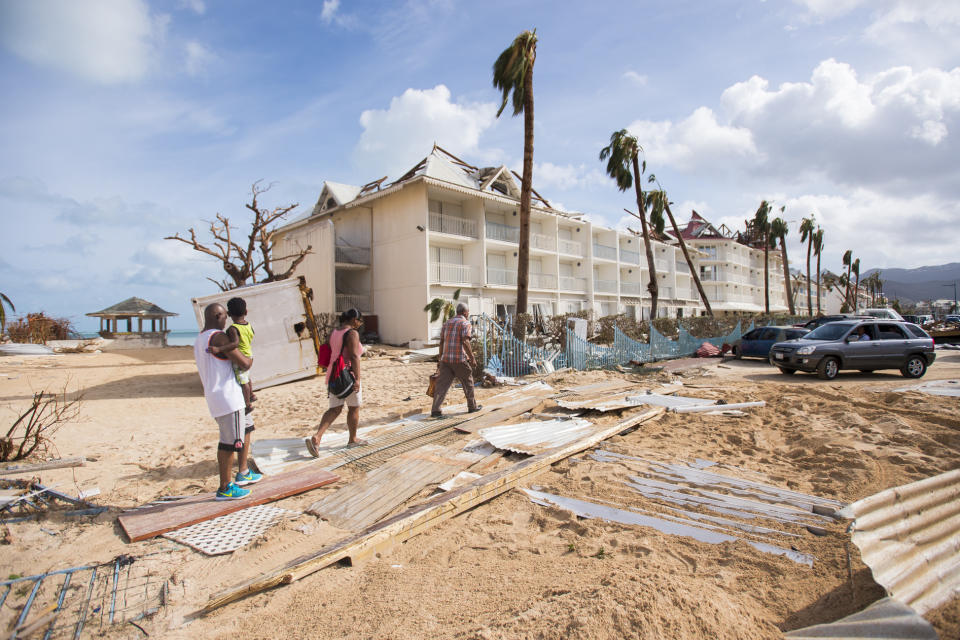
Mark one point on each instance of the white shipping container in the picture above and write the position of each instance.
(285, 339)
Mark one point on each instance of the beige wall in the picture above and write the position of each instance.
(317, 268)
(400, 254)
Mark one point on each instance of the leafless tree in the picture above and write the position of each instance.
(32, 429)
(249, 258)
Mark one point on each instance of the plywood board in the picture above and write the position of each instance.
(148, 522)
(361, 503)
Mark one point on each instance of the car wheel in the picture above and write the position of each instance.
(828, 368)
(787, 372)
(737, 353)
(914, 367)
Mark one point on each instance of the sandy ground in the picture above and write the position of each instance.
(508, 568)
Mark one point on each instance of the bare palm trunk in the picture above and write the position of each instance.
(786, 275)
(652, 287)
(526, 183)
(856, 296)
(819, 295)
(809, 292)
(686, 255)
(766, 276)
(846, 292)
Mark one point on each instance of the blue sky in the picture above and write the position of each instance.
(129, 120)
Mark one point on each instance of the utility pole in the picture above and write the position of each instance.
(956, 308)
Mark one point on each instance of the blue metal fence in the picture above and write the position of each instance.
(505, 355)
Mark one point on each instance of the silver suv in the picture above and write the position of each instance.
(866, 345)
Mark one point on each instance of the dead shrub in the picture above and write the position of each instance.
(32, 430)
(38, 328)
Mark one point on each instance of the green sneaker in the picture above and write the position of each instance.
(249, 477)
(232, 492)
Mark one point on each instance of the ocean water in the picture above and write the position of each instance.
(180, 338)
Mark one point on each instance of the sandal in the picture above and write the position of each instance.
(312, 447)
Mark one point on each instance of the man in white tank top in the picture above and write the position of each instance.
(225, 401)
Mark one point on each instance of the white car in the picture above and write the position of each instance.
(883, 314)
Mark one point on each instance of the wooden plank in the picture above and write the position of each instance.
(391, 531)
(148, 522)
(59, 463)
(498, 415)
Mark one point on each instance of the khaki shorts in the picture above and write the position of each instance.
(231, 434)
(355, 399)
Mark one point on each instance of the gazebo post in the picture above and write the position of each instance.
(140, 325)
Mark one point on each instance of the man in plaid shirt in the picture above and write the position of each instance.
(456, 361)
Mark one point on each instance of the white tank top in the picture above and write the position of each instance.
(220, 385)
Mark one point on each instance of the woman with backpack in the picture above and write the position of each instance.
(343, 380)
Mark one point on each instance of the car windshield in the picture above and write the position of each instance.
(829, 331)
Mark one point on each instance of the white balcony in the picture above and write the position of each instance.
(605, 286)
(502, 232)
(665, 293)
(630, 257)
(662, 265)
(570, 247)
(453, 226)
(682, 267)
(571, 283)
(501, 277)
(446, 273)
(631, 288)
(543, 242)
(543, 281)
(352, 255)
(353, 301)
(604, 252)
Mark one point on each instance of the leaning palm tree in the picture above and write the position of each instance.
(662, 200)
(4, 300)
(778, 231)
(855, 267)
(806, 235)
(818, 250)
(847, 262)
(761, 227)
(623, 165)
(513, 74)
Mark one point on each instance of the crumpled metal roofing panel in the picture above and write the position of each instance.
(885, 619)
(909, 536)
(535, 437)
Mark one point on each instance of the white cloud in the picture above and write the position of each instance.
(329, 10)
(197, 6)
(563, 177)
(198, 57)
(107, 41)
(394, 139)
(636, 78)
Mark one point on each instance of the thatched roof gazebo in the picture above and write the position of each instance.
(112, 317)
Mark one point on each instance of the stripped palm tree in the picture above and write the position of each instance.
(623, 165)
(855, 267)
(778, 231)
(4, 300)
(761, 227)
(847, 262)
(513, 74)
(806, 235)
(818, 250)
(663, 201)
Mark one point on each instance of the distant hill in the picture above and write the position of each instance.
(922, 283)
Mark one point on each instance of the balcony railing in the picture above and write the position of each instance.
(665, 293)
(631, 288)
(604, 252)
(352, 255)
(353, 301)
(662, 265)
(502, 232)
(501, 276)
(571, 283)
(451, 273)
(570, 247)
(543, 241)
(682, 267)
(632, 257)
(543, 281)
(453, 225)
(605, 286)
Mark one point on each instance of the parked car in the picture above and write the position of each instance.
(835, 346)
(885, 313)
(757, 342)
(952, 319)
(909, 317)
(812, 324)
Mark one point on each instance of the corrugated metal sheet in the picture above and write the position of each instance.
(936, 388)
(909, 536)
(536, 437)
(364, 502)
(670, 402)
(669, 525)
(885, 619)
